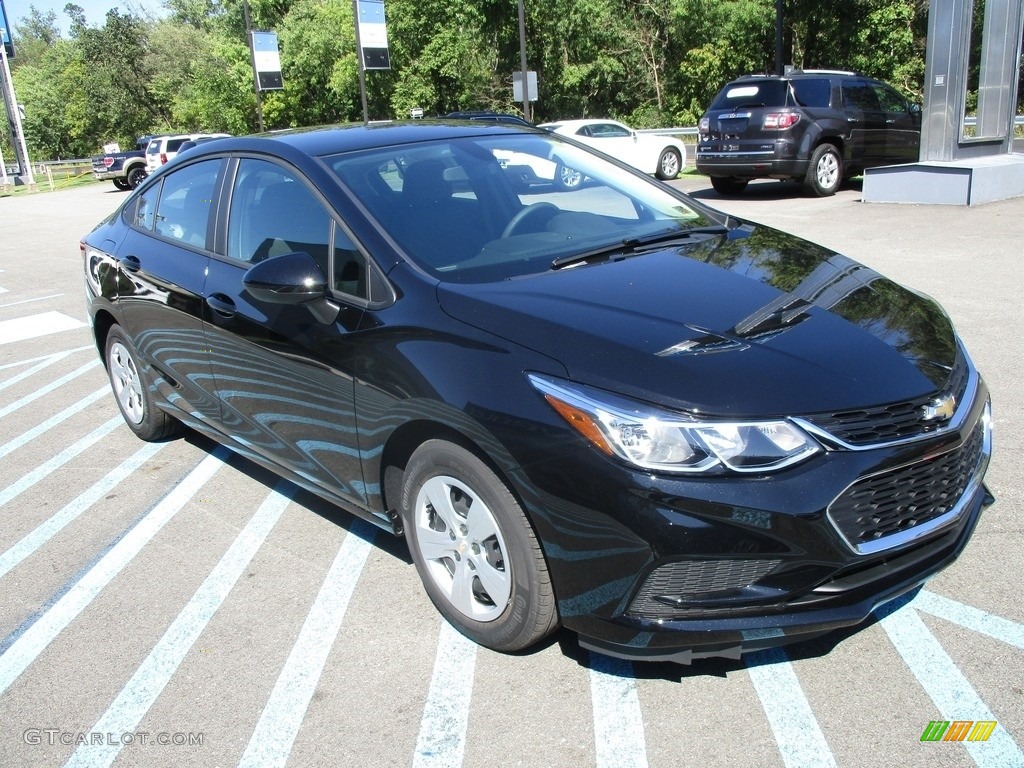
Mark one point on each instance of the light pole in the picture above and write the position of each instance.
(14, 117)
(522, 60)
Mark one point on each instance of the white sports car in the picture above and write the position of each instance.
(663, 156)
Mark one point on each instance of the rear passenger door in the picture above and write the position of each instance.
(902, 126)
(162, 266)
(284, 377)
(866, 122)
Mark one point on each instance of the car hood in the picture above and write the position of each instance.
(764, 324)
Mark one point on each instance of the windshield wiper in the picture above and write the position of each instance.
(635, 245)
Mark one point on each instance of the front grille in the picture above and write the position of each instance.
(896, 501)
(671, 590)
(896, 421)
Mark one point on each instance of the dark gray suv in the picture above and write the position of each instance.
(815, 126)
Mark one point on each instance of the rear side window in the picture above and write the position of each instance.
(860, 96)
(815, 92)
(770, 93)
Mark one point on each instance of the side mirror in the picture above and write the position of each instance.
(293, 278)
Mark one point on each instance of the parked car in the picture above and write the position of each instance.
(663, 156)
(162, 149)
(488, 117)
(125, 169)
(674, 432)
(817, 127)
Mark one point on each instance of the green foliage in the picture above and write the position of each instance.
(652, 63)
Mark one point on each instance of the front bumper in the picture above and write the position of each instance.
(680, 569)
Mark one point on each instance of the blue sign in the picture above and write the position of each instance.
(8, 42)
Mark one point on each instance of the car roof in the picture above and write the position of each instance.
(581, 122)
(329, 140)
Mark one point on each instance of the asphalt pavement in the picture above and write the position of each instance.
(162, 605)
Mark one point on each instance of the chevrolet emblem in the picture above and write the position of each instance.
(941, 408)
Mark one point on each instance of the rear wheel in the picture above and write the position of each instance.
(131, 390)
(670, 163)
(474, 549)
(825, 172)
(121, 184)
(728, 185)
(136, 176)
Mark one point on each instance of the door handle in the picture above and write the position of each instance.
(221, 304)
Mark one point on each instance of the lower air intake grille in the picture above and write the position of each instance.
(672, 589)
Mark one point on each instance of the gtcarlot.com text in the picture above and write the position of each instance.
(54, 736)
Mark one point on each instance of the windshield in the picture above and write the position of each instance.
(485, 208)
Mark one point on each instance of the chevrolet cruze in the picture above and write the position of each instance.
(607, 408)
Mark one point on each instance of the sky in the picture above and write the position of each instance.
(95, 10)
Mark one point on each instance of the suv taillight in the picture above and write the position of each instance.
(704, 125)
(779, 121)
(163, 158)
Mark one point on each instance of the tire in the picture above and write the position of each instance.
(476, 554)
(131, 390)
(670, 163)
(121, 184)
(728, 185)
(567, 178)
(825, 171)
(136, 176)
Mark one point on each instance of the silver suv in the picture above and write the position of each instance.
(162, 149)
(818, 127)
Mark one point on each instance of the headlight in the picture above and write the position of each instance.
(651, 438)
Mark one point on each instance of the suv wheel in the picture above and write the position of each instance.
(825, 172)
(728, 185)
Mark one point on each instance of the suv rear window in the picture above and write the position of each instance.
(813, 92)
(751, 93)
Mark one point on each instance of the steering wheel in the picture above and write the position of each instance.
(526, 213)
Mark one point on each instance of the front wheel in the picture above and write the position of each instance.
(131, 390)
(825, 172)
(670, 163)
(475, 551)
(567, 178)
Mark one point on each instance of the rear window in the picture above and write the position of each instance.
(812, 93)
(770, 93)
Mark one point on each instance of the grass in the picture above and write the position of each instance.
(62, 178)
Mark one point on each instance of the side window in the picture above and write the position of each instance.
(816, 92)
(186, 199)
(145, 209)
(890, 100)
(350, 270)
(274, 213)
(860, 96)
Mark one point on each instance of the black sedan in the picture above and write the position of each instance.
(608, 408)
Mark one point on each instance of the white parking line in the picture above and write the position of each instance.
(44, 391)
(41, 364)
(43, 533)
(38, 636)
(970, 618)
(25, 482)
(442, 738)
(797, 733)
(139, 693)
(618, 723)
(28, 301)
(34, 326)
(271, 742)
(947, 687)
(53, 421)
